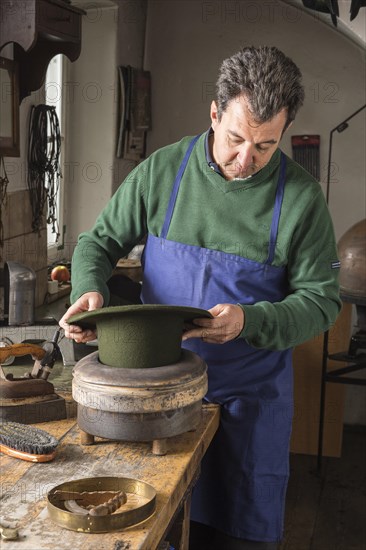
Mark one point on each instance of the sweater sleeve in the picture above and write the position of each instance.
(313, 302)
(119, 227)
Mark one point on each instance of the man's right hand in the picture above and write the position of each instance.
(87, 302)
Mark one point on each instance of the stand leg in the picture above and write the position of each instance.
(322, 401)
(178, 535)
(86, 439)
(159, 447)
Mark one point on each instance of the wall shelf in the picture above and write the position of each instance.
(39, 29)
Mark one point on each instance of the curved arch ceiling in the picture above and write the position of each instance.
(354, 30)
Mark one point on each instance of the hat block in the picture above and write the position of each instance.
(139, 336)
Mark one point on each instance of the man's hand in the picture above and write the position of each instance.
(227, 324)
(86, 302)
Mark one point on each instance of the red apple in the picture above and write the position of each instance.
(60, 273)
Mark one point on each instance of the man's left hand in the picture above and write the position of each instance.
(227, 324)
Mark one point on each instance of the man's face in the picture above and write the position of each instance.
(241, 147)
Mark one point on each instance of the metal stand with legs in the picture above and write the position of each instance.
(356, 362)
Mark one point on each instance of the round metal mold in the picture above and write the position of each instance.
(139, 404)
(140, 426)
(140, 505)
(101, 387)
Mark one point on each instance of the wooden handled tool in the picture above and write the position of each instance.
(18, 350)
(110, 506)
(82, 503)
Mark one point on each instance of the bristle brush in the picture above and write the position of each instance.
(26, 442)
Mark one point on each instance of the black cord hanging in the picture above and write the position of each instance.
(3, 197)
(44, 171)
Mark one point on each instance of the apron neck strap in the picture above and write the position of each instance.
(174, 193)
(277, 209)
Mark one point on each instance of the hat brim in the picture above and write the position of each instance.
(139, 336)
(90, 319)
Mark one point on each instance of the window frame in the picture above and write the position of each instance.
(59, 102)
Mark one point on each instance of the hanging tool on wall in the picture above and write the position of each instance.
(44, 170)
(325, 6)
(355, 7)
(331, 7)
(134, 112)
(3, 197)
(305, 151)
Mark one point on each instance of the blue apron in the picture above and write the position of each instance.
(244, 474)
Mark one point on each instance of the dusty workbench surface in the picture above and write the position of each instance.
(25, 485)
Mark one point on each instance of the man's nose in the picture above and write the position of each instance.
(246, 156)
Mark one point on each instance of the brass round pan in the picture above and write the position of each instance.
(141, 501)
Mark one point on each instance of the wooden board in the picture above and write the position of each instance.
(307, 383)
(25, 485)
(130, 268)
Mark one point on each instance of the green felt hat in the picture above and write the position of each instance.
(139, 336)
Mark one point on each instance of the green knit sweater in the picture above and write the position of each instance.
(229, 216)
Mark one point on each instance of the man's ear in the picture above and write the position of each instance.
(214, 114)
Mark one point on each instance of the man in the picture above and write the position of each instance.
(235, 227)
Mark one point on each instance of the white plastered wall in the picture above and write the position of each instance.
(91, 106)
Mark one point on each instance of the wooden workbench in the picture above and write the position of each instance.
(24, 487)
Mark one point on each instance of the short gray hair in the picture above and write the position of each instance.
(268, 79)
